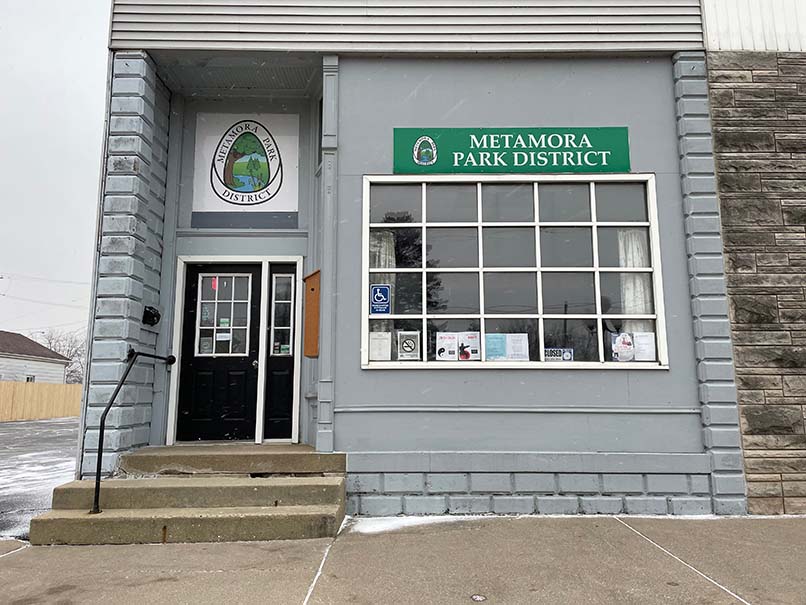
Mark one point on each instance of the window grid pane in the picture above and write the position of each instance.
(597, 315)
(216, 315)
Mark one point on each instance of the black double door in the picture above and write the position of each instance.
(220, 362)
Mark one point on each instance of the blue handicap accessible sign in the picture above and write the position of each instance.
(380, 299)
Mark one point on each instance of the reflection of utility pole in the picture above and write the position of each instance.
(565, 323)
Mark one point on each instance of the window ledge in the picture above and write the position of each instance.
(518, 365)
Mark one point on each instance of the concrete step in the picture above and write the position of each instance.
(201, 492)
(168, 525)
(243, 459)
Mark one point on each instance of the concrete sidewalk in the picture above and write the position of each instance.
(437, 560)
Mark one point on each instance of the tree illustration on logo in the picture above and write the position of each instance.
(257, 167)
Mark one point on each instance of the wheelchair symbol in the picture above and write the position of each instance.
(380, 298)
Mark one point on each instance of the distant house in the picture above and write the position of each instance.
(24, 360)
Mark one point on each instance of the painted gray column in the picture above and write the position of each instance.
(130, 256)
(715, 369)
(330, 222)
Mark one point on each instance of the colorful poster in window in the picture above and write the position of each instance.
(469, 346)
(246, 163)
(495, 347)
(622, 347)
(447, 347)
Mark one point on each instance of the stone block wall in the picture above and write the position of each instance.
(758, 105)
(520, 493)
(130, 257)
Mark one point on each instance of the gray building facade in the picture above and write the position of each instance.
(615, 271)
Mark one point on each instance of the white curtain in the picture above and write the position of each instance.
(636, 289)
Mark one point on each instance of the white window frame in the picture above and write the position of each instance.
(216, 328)
(655, 270)
(290, 327)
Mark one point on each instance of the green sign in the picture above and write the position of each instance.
(511, 150)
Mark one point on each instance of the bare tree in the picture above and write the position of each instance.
(72, 345)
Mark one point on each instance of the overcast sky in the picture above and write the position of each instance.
(53, 61)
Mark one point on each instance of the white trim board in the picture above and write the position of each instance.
(179, 299)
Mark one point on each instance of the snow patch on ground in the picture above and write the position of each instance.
(379, 525)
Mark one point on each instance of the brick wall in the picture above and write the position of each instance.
(758, 105)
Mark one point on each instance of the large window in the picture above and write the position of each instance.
(512, 272)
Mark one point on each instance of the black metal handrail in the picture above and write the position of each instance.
(131, 356)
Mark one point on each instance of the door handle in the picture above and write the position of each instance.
(255, 364)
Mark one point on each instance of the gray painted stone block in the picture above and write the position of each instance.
(468, 504)
(579, 483)
(557, 505)
(403, 483)
(381, 506)
(425, 505)
(364, 483)
(700, 484)
(722, 437)
(601, 505)
(690, 506)
(645, 505)
(667, 484)
(352, 505)
(535, 482)
(513, 505)
(730, 506)
(499, 483)
(729, 485)
(622, 484)
(446, 482)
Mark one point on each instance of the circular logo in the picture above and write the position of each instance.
(247, 168)
(424, 151)
(408, 345)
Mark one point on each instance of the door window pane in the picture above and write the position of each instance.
(239, 311)
(224, 315)
(564, 202)
(568, 293)
(454, 340)
(395, 248)
(206, 339)
(225, 287)
(623, 246)
(453, 293)
(512, 339)
(452, 247)
(207, 318)
(406, 291)
(396, 204)
(626, 293)
(239, 341)
(509, 246)
(222, 340)
(451, 203)
(208, 290)
(282, 315)
(282, 288)
(510, 293)
(566, 247)
(282, 342)
(508, 203)
(618, 202)
(241, 288)
(571, 340)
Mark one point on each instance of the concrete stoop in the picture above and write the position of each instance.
(203, 494)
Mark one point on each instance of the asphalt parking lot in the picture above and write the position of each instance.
(35, 457)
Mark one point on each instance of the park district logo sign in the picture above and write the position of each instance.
(511, 150)
(247, 168)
